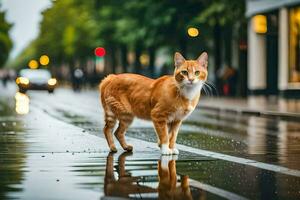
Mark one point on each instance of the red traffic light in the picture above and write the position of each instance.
(100, 51)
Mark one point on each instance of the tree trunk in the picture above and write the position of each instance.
(113, 59)
(110, 60)
(228, 45)
(217, 54)
(152, 55)
(183, 45)
(137, 63)
(124, 60)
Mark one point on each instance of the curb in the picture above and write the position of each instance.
(267, 114)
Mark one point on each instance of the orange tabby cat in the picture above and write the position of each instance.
(166, 101)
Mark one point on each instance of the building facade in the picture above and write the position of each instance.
(274, 47)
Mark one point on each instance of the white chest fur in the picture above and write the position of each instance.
(181, 113)
(191, 92)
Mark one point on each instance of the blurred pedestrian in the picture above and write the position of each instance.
(5, 78)
(228, 75)
(77, 79)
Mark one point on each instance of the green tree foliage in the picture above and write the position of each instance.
(25, 56)
(5, 41)
(71, 29)
(68, 31)
(222, 12)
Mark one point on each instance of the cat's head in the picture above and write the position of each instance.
(190, 73)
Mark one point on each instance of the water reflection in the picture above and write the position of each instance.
(168, 187)
(119, 182)
(22, 103)
(12, 156)
(276, 143)
(125, 184)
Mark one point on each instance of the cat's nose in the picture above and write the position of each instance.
(191, 80)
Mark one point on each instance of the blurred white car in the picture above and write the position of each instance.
(35, 79)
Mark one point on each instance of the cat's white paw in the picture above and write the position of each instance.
(164, 161)
(165, 150)
(175, 151)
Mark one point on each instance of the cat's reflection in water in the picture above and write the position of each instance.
(125, 184)
(168, 187)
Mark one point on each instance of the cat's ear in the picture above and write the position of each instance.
(203, 60)
(178, 59)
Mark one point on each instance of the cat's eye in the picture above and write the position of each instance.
(197, 73)
(184, 72)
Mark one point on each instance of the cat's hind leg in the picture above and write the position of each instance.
(125, 119)
(110, 121)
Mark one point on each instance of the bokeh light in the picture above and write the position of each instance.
(144, 59)
(100, 52)
(33, 64)
(22, 103)
(193, 32)
(22, 80)
(52, 81)
(44, 60)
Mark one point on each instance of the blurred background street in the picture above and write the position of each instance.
(241, 142)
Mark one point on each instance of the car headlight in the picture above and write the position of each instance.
(22, 80)
(52, 81)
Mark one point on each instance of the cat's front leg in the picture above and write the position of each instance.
(162, 134)
(174, 128)
(165, 150)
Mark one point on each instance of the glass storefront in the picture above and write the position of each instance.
(294, 46)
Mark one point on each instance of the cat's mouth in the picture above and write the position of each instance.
(190, 85)
(193, 84)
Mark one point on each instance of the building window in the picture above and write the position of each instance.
(294, 45)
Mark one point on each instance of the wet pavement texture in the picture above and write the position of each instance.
(52, 147)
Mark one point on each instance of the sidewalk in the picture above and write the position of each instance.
(262, 106)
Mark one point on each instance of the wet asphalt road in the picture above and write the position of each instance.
(52, 147)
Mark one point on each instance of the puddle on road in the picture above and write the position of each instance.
(12, 156)
(125, 175)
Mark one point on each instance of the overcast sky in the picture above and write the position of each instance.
(25, 15)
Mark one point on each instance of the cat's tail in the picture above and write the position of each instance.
(102, 87)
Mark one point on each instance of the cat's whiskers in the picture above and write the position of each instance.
(207, 89)
(213, 87)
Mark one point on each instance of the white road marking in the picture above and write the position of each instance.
(243, 161)
(220, 156)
